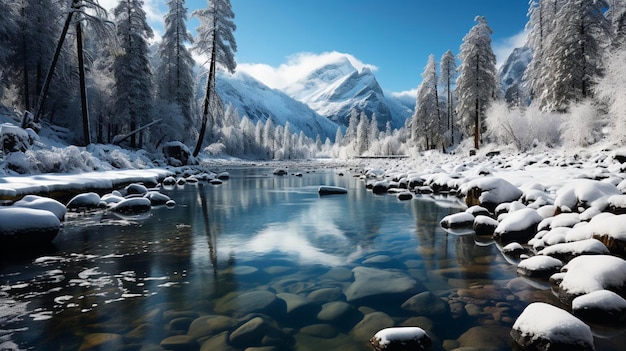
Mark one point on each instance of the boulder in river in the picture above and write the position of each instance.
(545, 327)
(26, 227)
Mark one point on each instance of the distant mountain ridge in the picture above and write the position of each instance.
(317, 103)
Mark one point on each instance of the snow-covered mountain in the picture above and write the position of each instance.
(335, 88)
(257, 101)
(512, 73)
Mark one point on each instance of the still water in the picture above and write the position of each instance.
(302, 272)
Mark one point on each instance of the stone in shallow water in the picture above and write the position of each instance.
(299, 306)
(100, 341)
(325, 331)
(218, 342)
(250, 333)
(259, 301)
(370, 324)
(326, 295)
(493, 337)
(377, 286)
(427, 304)
(210, 325)
(179, 342)
(340, 314)
(340, 274)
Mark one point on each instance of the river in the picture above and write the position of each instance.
(299, 270)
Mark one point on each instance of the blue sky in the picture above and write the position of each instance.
(393, 37)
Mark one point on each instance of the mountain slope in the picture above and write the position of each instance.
(512, 74)
(257, 101)
(335, 88)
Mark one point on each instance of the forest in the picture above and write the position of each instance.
(74, 66)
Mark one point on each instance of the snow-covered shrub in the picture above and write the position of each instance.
(216, 149)
(581, 125)
(522, 127)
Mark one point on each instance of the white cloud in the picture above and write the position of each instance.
(154, 14)
(503, 48)
(404, 94)
(296, 68)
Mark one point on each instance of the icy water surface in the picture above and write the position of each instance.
(298, 271)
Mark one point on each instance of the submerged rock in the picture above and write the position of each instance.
(378, 286)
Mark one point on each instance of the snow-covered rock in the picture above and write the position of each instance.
(133, 205)
(136, 189)
(567, 251)
(539, 266)
(13, 138)
(457, 220)
(584, 193)
(585, 274)
(611, 231)
(157, 198)
(401, 338)
(84, 201)
(489, 192)
(42, 203)
(601, 306)
(380, 187)
(518, 226)
(331, 190)
(177, 154)
(484, 225)
(27, 227)
(545, 327)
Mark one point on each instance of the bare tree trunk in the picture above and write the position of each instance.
(207, 99)
(55, 58)
(83, 89)
(476, 127)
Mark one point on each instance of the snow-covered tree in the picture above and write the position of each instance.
(174, 75)
(447, 66)
(476, 85)
(616, 15)
(574, 58)
(131, 69)
(427, 116)
(610, 91)
(8, 31)
(541, 20)
(34, 46)
(362, 142)
(216, 41)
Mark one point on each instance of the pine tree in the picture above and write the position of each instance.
(541, 22)
(427, 116)
(362, 142)
(34, 48)
(574, 58)
(8, 30)
(174, 74)
(616, 15)
(131, 69)
(447, 67)
(216, 41)
(476, 85)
